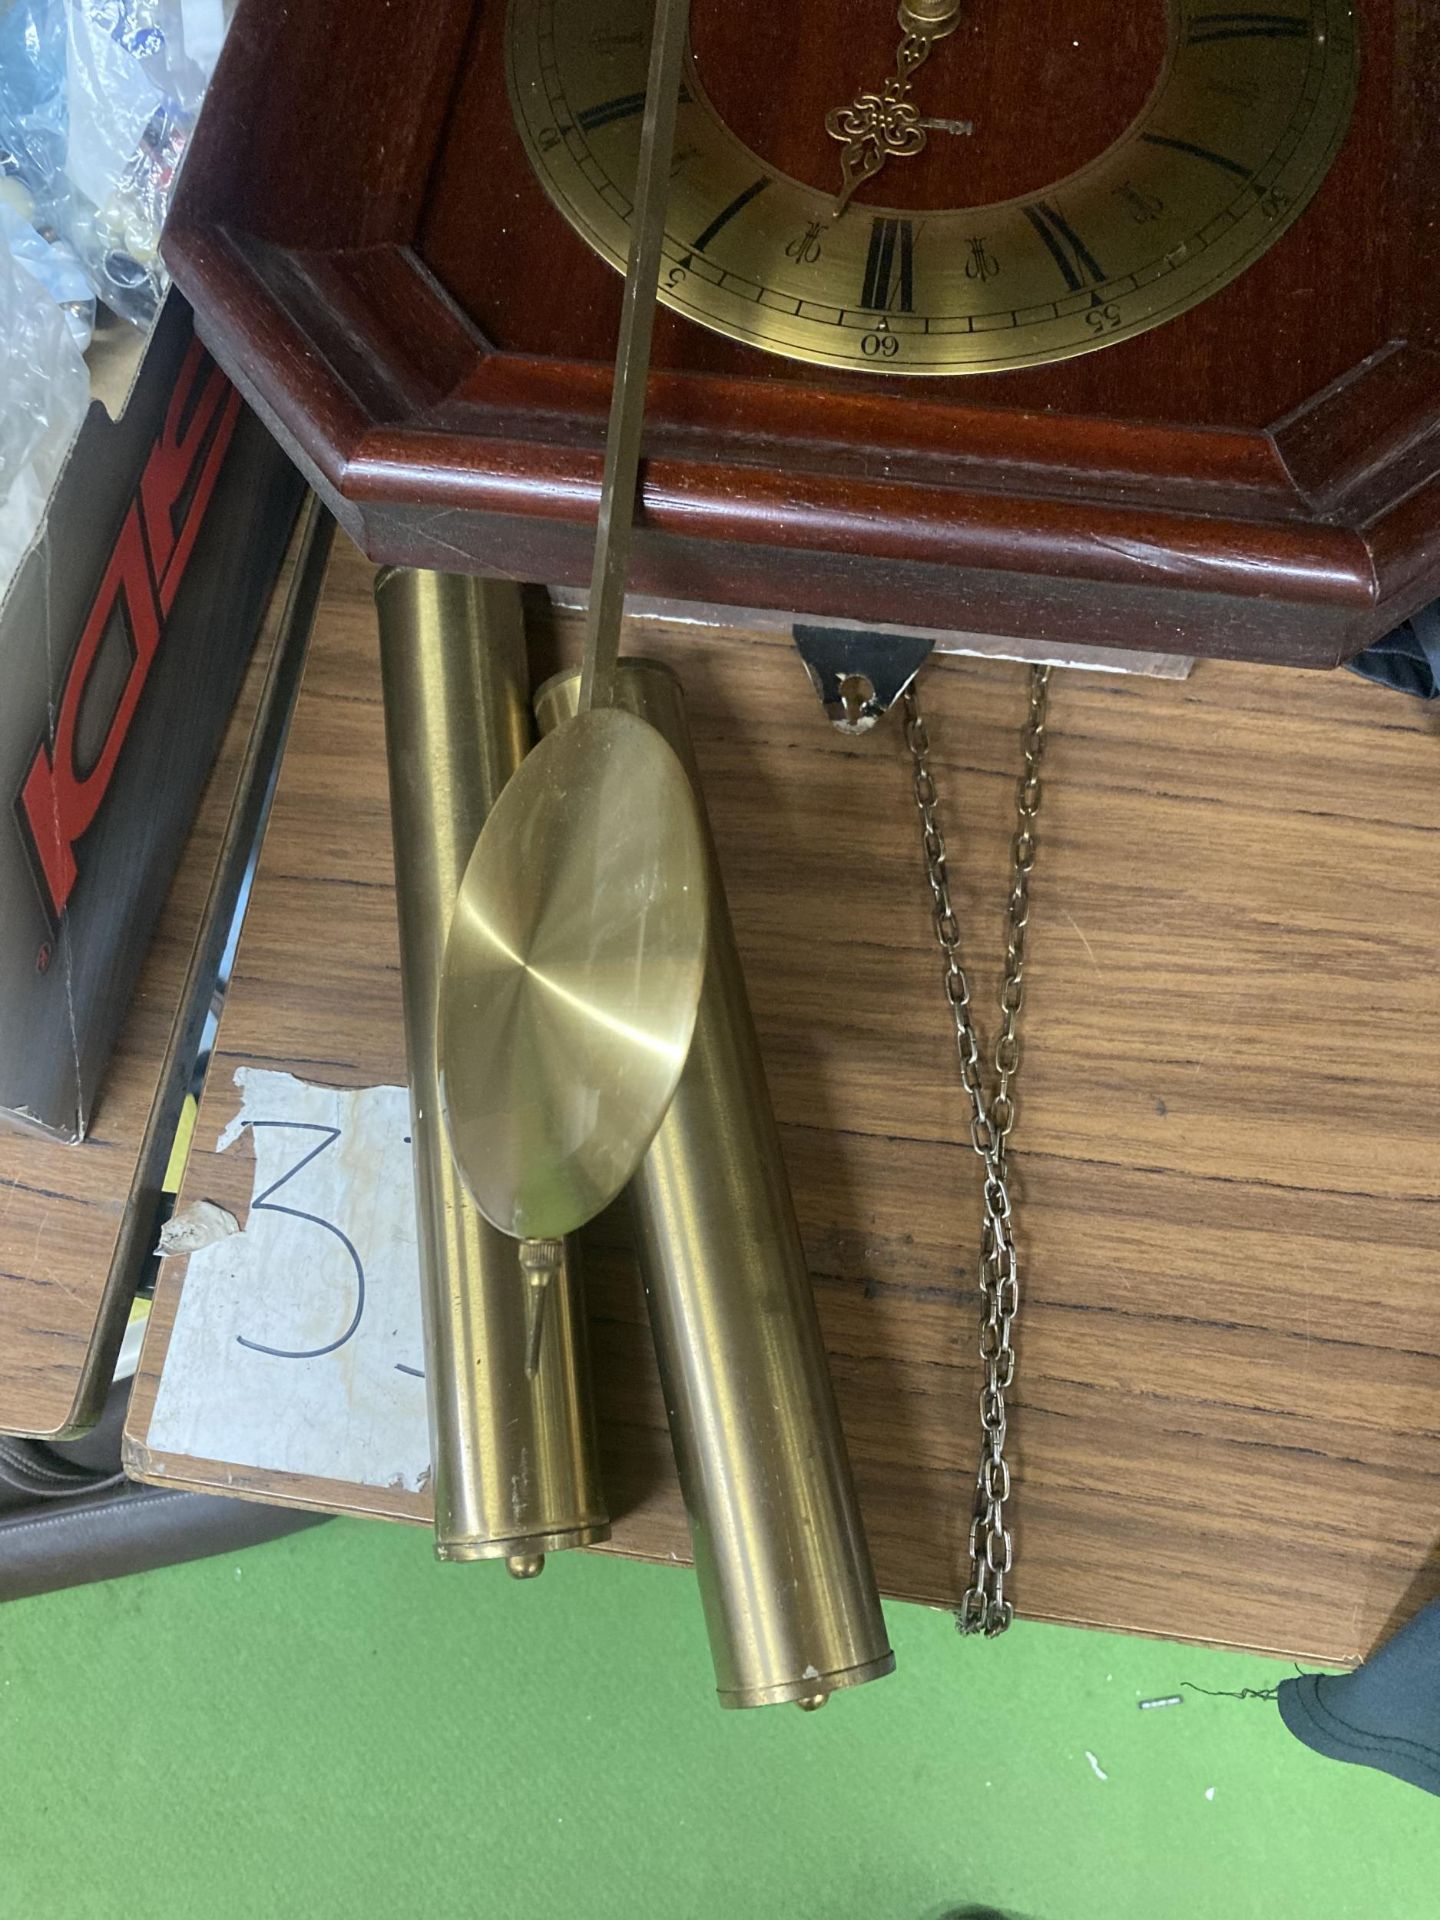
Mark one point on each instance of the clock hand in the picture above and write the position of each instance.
(875, 125)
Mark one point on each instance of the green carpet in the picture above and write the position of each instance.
(334, 1725)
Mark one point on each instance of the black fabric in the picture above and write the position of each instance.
(133, 1529)
(69, 1516)
(1407, 659)
(33, 1472)
(1386, 1714)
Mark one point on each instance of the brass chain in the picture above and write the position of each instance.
(985, 1608)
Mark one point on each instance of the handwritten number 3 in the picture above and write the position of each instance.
(264, 1203)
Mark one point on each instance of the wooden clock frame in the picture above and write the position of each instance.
(1257, 479)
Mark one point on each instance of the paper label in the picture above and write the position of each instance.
(297, 1343)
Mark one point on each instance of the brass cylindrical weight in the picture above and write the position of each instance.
(784, 1569)
(515, 1471)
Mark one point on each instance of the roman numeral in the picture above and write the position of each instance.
(727, 214)
(625, 107)
(1066, 248)
(1208, 27)
(1197, 153)
(890, 267)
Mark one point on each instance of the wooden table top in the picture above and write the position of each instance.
(1228, 1418)
(76, 1222)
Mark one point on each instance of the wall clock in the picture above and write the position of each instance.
(1136, 346)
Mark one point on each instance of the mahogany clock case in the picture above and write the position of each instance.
(375, 264)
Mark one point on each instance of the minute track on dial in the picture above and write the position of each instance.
(1245, 117)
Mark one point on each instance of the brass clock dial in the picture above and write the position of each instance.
(1247, 113)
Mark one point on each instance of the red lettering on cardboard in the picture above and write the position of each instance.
(201, 392)
(59, 802)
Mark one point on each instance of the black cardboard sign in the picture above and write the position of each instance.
(123, 643)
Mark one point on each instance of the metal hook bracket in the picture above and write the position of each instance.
(860, 674)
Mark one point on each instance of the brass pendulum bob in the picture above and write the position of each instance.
(571, 980)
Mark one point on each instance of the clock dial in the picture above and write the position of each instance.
(1246, 114)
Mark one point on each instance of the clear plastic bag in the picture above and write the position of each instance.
(97, 102)
(44, 392)
(98, 99)
(133, 94)
(32, 94)
(54, 265)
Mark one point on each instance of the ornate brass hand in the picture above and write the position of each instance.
(875, 125)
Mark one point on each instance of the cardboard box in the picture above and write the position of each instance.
(123, 641)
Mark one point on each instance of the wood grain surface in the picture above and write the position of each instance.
(67, 1274)
(1228, 1423)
